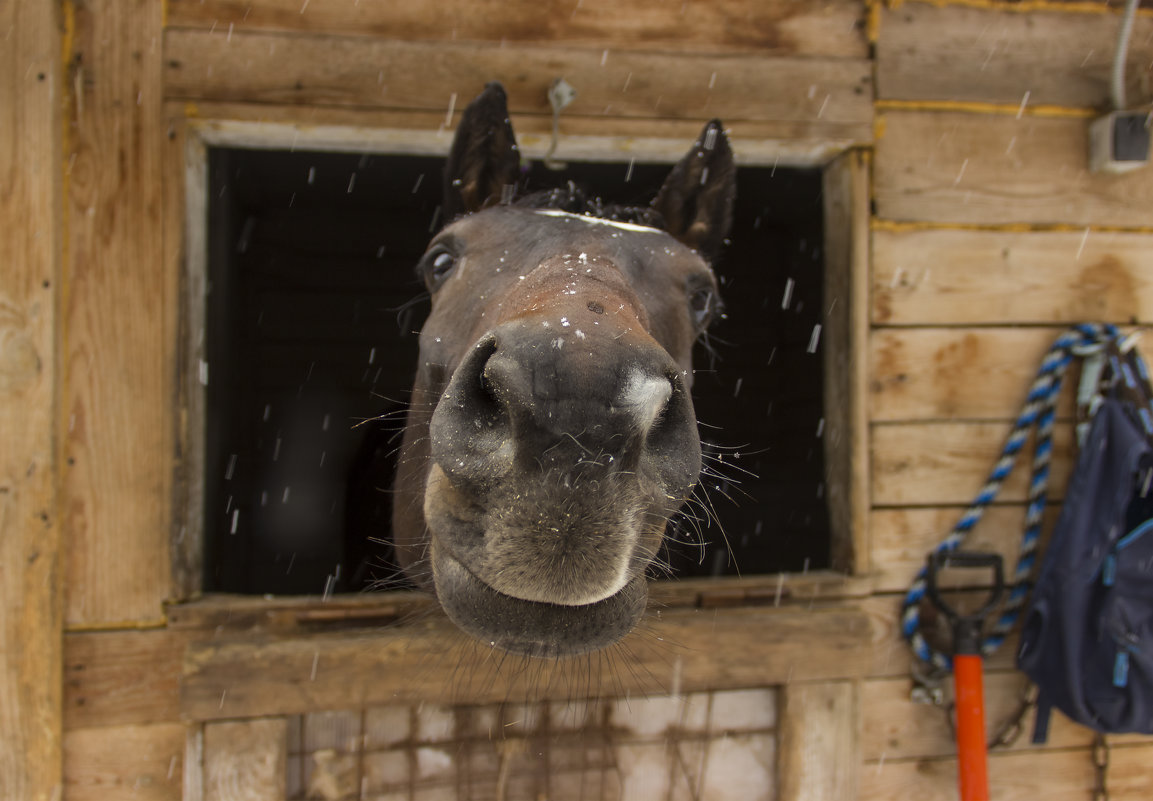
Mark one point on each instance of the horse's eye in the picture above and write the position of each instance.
(702, 304)
(436, 266)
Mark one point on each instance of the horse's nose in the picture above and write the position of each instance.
(535, 401)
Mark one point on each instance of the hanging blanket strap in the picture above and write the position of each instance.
(1039, 411)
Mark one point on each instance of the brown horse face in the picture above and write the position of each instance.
(557, 362)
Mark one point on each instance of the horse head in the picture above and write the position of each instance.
(551, 435)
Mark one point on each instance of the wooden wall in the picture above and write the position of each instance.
(988, 235)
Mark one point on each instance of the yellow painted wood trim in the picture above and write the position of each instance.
(117, 625)
(977, 107)
(1026, 6)
(899, 226)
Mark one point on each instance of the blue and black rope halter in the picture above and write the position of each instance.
(1039, 411)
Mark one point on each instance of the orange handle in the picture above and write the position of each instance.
(972, 771)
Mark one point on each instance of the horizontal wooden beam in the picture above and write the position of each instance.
(947, 167)
(899, 729)
(780, 27)
(957, 373)
(971, 277)
(982, 54)
(676, 651)
(1015, 776)
(946, 463)
(371, 73)
(114, 678)
(285, 127)
(890, 656)
(903, 538)
(139, 762)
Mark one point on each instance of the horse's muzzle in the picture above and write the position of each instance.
(529, 627)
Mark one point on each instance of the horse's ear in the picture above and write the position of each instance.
(696, 199)
(484, 158)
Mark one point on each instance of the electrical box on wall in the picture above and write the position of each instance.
(1119, 142)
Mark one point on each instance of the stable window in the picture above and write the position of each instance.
(309, 319)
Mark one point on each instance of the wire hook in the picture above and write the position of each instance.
(560, 94)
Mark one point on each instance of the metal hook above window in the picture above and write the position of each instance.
(560, 94)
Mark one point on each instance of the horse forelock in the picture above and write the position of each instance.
(574, 200)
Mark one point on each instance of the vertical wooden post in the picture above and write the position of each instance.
(118, 322)
(819, 755)
(244, 760)
(31, 639)
(846, 319)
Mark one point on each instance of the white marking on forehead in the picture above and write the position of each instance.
(624, 226)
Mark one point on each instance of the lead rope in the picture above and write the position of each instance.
(931, 665)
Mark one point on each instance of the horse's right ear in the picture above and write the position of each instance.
(696, 199)
(484, 158)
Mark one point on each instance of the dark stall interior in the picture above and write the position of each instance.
(312, 313)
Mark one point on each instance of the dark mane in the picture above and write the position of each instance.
(574, 199)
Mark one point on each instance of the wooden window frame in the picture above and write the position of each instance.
(792, 616)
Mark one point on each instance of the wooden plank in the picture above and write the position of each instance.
(119, 319)
(368, 73)
(114, 678)
(766, 142)
(889, 655)
(993, 170)
(185, 250)
(829, 28)
(133, 763)
(982, 54)
(948, 277)
(1017, 776)
(958, 373)
(938, 464)
(30, 526)
(681, 650)
(245, 760)
(846, 361)
(902, 538)
(819, 748)
(1129, 776)
(30, 607)
(899, 729)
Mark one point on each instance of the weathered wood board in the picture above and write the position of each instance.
(779, 27)
(890, 656)
(899, 729)
(967, 277)
(985, 55)
(620, 139)
(118, 313)
(902, 538)
(992, 169)
(1017, 776)
(820, 746)
(114, 678)
(368, 73)
(937, 464)
(245, 760)
(680, 650)
(30, 520)
(142, 762)
(958, 373)
(846, 365)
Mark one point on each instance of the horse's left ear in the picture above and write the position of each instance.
(696, 199)
(484, 157)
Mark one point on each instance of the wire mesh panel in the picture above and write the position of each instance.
(694, 747)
